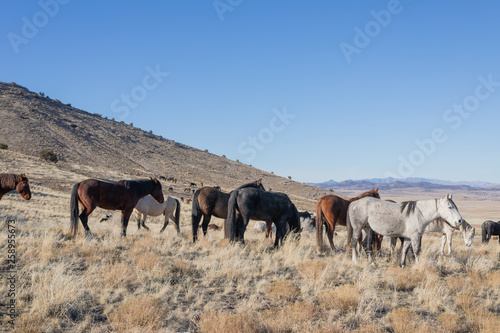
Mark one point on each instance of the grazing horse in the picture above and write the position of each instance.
(247, 203)
(331, 210)
(122, 195)
(407, 219)
(10, 182)
(490, 228)
(208, 201)
(440, 225)
(149, 206)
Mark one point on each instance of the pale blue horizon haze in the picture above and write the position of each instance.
(313, 90)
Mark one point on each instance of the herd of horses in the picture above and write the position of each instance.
(365, 216)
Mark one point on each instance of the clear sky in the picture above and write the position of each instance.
(310, 89)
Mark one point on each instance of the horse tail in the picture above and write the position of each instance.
(195, 215)
(319, 224)
(485, 232)
(231, 221)
(74, 210)
(177, 214)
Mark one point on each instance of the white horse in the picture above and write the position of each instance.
(148, 206)
(407, 219)
(440, 225)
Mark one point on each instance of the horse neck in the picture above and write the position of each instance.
(8, 182)
(142, 191)
(362, 195)
(428, 209)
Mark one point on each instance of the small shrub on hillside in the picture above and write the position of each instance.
(48, 156)
(4, 146)
(312, 269)
(69, 104)
(20, 93)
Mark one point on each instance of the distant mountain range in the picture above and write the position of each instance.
(392, 183)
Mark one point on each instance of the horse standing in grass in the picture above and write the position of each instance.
(490, 228)
(209, 201)
(10, 182)
(407, 219)
(252, 203)
(149, 206)
(122, 195)
(331, 210)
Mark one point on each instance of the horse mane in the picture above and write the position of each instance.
(141, 185)
(8, 180)
(256, 184)
(372, 193)
(410, 207)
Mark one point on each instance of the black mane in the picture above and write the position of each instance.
(409, 206)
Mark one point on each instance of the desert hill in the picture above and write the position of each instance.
(92, 146)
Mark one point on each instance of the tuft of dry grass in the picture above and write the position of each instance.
(344, 298)
(403, 320)
(283, 290)
(312, 269)
(144, 312)
(224, 322)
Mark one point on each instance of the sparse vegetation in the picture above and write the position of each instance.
(48, 155)
(4, 146)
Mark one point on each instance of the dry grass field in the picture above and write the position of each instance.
(152, 282)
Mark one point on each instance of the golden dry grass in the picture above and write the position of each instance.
(152, 282)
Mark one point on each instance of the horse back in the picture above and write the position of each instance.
(106, 195)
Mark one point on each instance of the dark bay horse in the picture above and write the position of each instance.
(122, 195)
(332, 210)
(10, 182)
(490, 228)
(252, 203)
(209, 201)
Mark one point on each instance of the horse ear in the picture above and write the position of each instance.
(22, 177)
(376, 190)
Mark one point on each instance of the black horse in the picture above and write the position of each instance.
(251, 203)
(489, 229)
(208, 201)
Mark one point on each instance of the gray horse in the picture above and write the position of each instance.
(407, 219)
(439, 225)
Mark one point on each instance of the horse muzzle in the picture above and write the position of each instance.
(27, 196)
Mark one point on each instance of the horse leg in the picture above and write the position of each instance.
(443, 243)
(269, 229)
(394, 241)
(205, 223)
(279, 233)
(356, 233)
(165, 223)
(195, 223)
(369, 244)
(404, 248)
(177, 223)
(449, 237)
(125, 217)
(415, 243)
(84, 218)
(330, 231)
(143, 222)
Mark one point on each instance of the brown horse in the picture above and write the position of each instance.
(122, 195)
(209, 201)
(332, 210)
(10, 182)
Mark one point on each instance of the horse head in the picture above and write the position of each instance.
(157, 192)
(449, 211)
(23, 187)
(468, 233)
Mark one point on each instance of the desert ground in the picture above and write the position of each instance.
(152, 282)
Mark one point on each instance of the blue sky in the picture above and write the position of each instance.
(313, 90)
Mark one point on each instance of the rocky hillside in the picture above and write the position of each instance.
(92, 146)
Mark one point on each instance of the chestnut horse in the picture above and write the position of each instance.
(332, 210)
(208, 201)
(122, 195)
(10, 182)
